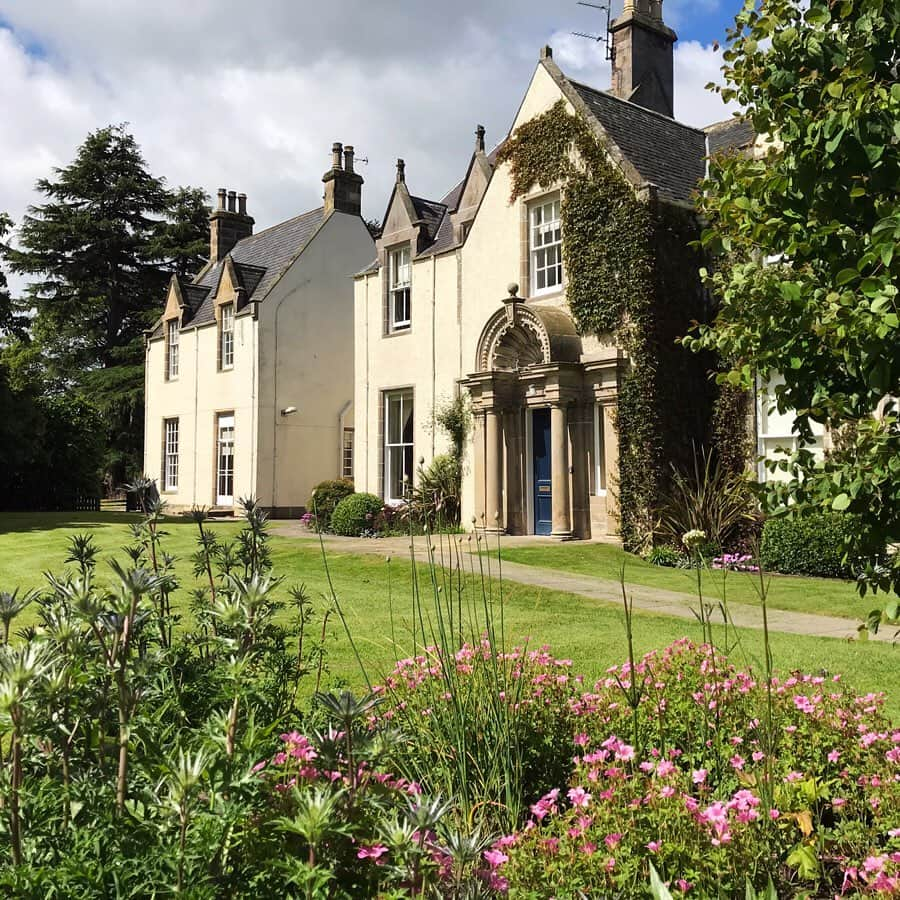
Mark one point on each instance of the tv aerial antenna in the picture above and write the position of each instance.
(599, 38)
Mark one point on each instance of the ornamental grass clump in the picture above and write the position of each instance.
(714, 802)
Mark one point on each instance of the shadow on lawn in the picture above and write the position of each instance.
(14, 522)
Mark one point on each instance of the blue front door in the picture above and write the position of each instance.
(540, 439)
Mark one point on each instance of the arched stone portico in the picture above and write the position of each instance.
(530, 359)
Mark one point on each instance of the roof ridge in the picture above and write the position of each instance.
(650, 112)
(426, 200)
(252, 237)
(737, 117)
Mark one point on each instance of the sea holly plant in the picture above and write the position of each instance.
(805, 236)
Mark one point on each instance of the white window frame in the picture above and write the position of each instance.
(226, 336)
(172, 336)
(347, 445)
(545, 243)
(399, 288)
(405, 448)
(225, 422)
(599, 451)
(170, 454)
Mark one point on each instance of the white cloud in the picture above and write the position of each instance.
(222, 93)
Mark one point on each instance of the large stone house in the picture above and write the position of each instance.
(249, 371)
(469, 293)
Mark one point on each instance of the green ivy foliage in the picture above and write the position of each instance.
(631, 273)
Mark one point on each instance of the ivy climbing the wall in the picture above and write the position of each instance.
(631, 273)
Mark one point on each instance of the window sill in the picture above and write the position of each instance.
(398, 333)
(548, 293)
(227, 368)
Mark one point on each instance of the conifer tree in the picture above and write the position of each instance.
(97, 255)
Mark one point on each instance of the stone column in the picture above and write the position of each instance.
(515, 491)
(493, 472)
(478, 470)
(559, 474)
(579, 425)
(611, 451)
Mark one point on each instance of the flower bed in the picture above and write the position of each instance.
(715, 791)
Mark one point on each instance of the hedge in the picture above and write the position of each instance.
(810, 545)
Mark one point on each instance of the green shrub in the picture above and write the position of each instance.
(355, 514)
(436, 498)
(806, 546)
(325, 497)
(665, 556)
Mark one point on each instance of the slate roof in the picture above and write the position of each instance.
(729, 136)
(259, 261)
(431, 213)
(666, 153)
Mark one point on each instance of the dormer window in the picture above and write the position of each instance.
(226, 336)
(400, 275)
(172, 349)
(545, 245)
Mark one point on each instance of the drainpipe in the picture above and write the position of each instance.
(196, 420)
(340, 442)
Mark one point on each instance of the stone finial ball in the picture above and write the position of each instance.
(513, 289)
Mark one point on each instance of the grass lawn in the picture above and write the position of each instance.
(823, 596)
(372, 591)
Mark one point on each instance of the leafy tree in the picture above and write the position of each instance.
(98, 253)
(808, 242)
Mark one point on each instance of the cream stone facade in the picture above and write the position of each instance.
(483, 312)
(258, 400)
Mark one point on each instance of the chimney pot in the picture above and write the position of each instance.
(232, 196)
(348, 158)
(479, 139)
(221, 193)
(656, 10)
(337, 150)
(242, 204)
(401, 172)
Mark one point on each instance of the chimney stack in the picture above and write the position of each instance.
(343, 187)
(643, 67)
(228, 224)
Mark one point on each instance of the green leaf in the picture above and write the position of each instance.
(835, 88)
(657, 887)
(803, 858)
(892, 609)
(841, 502)
(845, 276)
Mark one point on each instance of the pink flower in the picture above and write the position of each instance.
(375, 852)
(581, 740)
(683, 885)
(834, 756)
(495, 858)
(665, 768)
(579, 796)
(653, 846)
(612, 840)
(737, 762)
(699, 776)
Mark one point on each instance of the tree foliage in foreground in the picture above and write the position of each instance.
(97, 254)
(808, 245)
